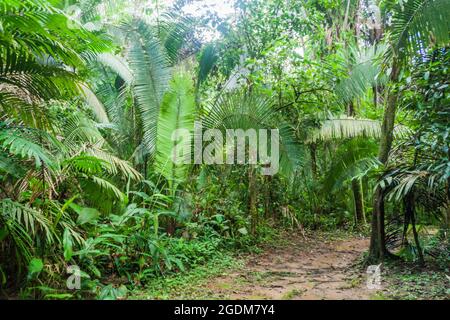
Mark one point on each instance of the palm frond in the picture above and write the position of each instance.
(30, 219)
(417, 24)
(348, 127)
(362, 71)
(17, 143)
(151, 70)
(116, 165)
(14, 106)
(401, 181)
(353, 159)
(291, 154)
(208, 59)
(105, 185)
(79, 130)
(174, 29)
(176, 113)
(117, 64)
(43, 30)
(97, 106)
(37, 79)
(241, 110)
(86, 164)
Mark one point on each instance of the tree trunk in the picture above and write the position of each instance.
(378, 250)
(268, 197)
(252, 199)
(448, 195)
(410, 217)
(350, 110)
(171, 226)
(416, 235)
(360, 216)
(312, 152)
(448, 204)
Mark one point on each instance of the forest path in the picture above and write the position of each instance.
(298, 267)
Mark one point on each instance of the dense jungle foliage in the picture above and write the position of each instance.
(91, 91)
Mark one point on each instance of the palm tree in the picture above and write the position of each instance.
(416, 25)
(44, 160)
(250, 110)
(40, 57)
(142, 77)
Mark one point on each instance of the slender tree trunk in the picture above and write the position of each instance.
(416, 235)
(360, 216)
(312, 152)
(252, 199)
(350, 110)
(448, 203)
(344, 26)
(358, 196)
(378, 250)
(375, 96)
(387, 128)
(358, 20)
(448, 196)
(410, 217)
(268, 197)
(406, 220)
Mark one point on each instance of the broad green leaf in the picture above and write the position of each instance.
(67, 244)
(88, 215)
(243, 231)
(36, 265)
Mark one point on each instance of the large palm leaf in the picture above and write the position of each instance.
(243, 110)
(416, 24)
(176, 112)
(361, 68)
(348, 127)
(352, 160)
(39, 54)
(150, 66)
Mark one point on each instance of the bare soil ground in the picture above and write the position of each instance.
(299, 268)
(316, 266)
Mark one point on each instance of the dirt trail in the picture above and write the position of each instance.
(299, 268)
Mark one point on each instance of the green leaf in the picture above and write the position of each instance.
(59, 296)
(419, 23)
(67, 244)
(88, 215)
(243, 231)
(150, 66)
(176, 113)
(110, 293)
(35, 267)
(85, 215)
